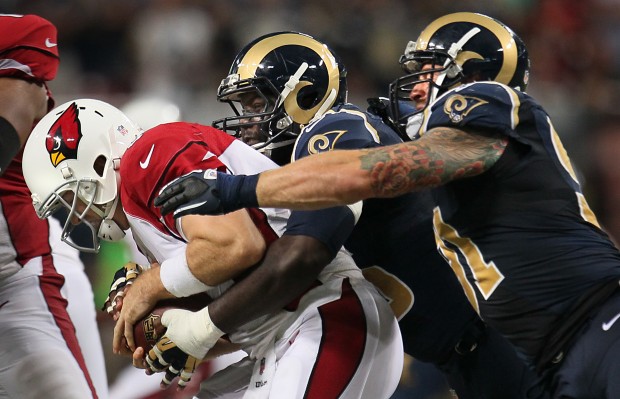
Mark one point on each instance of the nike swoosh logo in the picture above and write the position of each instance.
(144, 164)
(1, 305)
(49, 43)
(607, 326)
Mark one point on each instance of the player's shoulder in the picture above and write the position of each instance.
(174, 134)
(485, 92)
(343, 127)
(343, 114)
(486, 105)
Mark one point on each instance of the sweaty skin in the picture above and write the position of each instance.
(347, 176)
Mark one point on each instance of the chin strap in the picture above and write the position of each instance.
(109, 230)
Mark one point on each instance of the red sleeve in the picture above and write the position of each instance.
(28, 48)
(175, 149)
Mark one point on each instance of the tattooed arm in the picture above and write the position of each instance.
(347, 176)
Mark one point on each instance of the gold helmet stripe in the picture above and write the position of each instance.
(509, 46)
(251, 61)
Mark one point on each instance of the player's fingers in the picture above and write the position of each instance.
(184, 379)
(172, 203)
(155, 361)
(168, 191)
(117, 305)
(169, 376)
(138, 359)
(129, 336)
(118, 339)
(187, 371)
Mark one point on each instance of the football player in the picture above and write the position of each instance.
(337, 339)
(510, 217)
(49, 330)
(288, 89)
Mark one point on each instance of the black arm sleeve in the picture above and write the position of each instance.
(9, 143)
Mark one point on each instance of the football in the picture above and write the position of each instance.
(149, 330)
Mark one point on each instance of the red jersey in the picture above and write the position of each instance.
(168, 151)
(29, 51)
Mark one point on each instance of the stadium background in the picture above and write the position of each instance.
(179, 50)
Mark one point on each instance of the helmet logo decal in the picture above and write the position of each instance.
(251, 63)
(457, 107)
(64, 136)
(464, 56)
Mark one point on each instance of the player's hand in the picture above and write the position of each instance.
(193, 193)
(189, 336)
(123, 278)
(207, 192)
(144, 294)
(167, 357)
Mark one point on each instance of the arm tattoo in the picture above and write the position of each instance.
(440, 156)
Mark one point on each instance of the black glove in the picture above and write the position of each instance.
(123, 277)
(193, 193)
(207, 192)
(167, 356)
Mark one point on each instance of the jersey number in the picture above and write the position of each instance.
(486, 275)
(398, 294)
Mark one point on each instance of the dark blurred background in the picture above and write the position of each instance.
(179, 50)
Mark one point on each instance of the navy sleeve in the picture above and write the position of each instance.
(331, 226)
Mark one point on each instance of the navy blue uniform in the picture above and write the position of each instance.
(393, 242)
(521, 238)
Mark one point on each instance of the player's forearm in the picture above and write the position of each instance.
(345, 177)
(318, 181)
(221, 247)
(290, 267)
(22, 104)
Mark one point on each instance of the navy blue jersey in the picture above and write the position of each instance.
(393, 242)
(520, 237)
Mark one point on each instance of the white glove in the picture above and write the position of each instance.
(192, 332)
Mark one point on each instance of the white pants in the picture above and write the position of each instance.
(50, 348)
(344, 344)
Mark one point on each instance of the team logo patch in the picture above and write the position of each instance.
(324, 142)
(457, 106)
(64, 136)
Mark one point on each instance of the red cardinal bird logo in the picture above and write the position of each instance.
(64, 136)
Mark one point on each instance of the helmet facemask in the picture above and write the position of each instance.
(78, 208)
(438, 68)
(297, 78)
(461, 48)
(257, 104)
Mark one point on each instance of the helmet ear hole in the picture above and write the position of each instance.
(99, 165)
(307, 98)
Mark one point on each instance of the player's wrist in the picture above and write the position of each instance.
(178, 279)
(237, 191)
(193, 332)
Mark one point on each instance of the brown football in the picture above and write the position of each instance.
(149, 330)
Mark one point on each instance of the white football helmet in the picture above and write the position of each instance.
(77, 148)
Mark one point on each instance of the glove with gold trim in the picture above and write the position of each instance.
(189, 336)
(123, 278)
(167, 356)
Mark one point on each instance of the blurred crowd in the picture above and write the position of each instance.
(179, 50)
